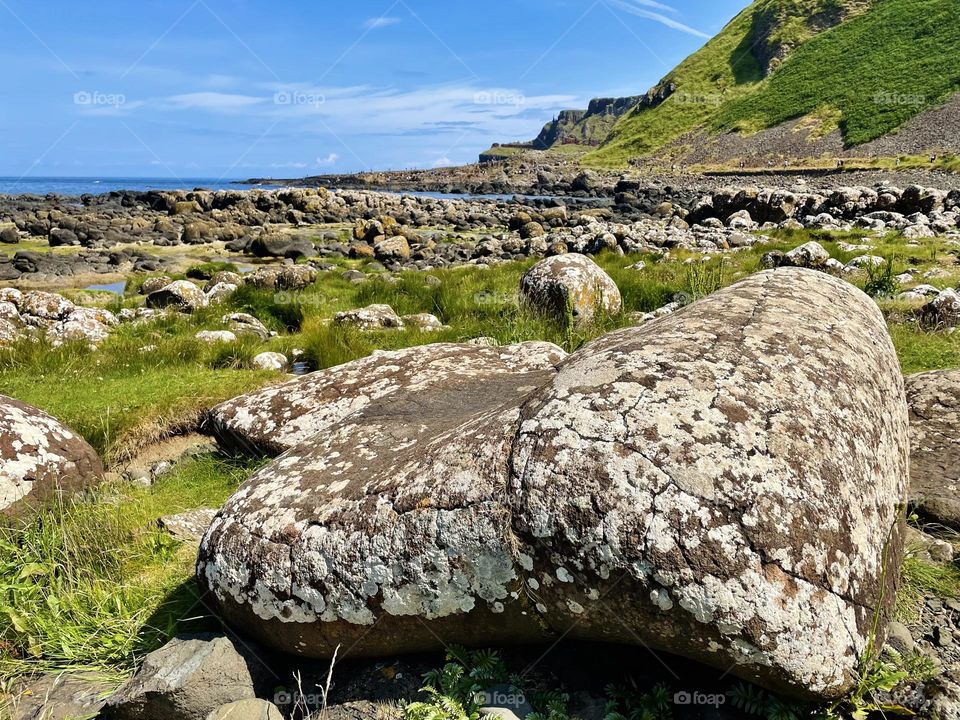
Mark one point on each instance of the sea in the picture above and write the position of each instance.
(98, 186)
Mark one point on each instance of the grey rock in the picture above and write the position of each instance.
(372, 317)
(187, 526)
(281, 417)
(247, 710)
(570, 283)
(934, 401)
(180, 295)
(39, 456)
(186, 679)
(658, 488)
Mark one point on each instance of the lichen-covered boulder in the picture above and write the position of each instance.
(686, 485)
(372, 317)
(570, 283)
(695, 474)
(277, 418)
(934, 400)
(39, 456)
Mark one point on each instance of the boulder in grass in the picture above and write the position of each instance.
(570, 284)
(685, 485)
(40, 456)
(180, 295)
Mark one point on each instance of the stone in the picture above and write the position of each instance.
(282, 277)
(270, 361)
(44, 306)
(941, 312)
(152, 284)
(275, 419)
(423, 321)
(220, 292)
(186, 679)
(372, 317)
(180, 295)
(252, 709)
(60, 696)
(685, 485)
(570, 283)
(899, 638)
(216, 336)
(187, 526)
(934, 401)
(393, 249)
(245, 324)
(39, 456)
(504, 702)
(928, 547)
(809, 255)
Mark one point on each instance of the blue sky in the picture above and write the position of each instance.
(243, 88)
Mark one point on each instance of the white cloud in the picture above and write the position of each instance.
(213, 101)
(640, 9)
(375, 23)
(442, 162)
(329, 160)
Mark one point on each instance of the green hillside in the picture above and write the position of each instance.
(780, 60)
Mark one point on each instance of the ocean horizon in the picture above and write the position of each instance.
(99, 185)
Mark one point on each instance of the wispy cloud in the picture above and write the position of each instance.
(654, 11)
(213, 101)
(375, 23)
(329, 160)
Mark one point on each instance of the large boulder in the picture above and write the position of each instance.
(934, 400)
(686, 485)
(40, 456)
(277, 418)
(570, 284)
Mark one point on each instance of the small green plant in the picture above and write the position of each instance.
(624, 704)
(754, 700)
(704, 278)
(881, 281)
(453, 691)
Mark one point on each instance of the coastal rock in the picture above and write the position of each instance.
(40, 456)
(275, 419)
(216, 336)
(246, 324)
(686, 485)
(372, 317)
(809, 255)
(570, 283)
(252, 709)
(186, 679)
(282, 277)
(934, 400)
(180, 295)
(270, 361)
(941, 312)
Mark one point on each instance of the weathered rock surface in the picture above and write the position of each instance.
(181, 295)
(686, 485)
(187, 679)
(39, 455)
(187, 526)
(570, 282)
(281, 417)
(934, 400)
(246, 710)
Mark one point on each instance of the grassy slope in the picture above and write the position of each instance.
(908, 49)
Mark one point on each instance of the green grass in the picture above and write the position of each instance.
(94, 584)
(867, 76)
(920, 578)
(868, 67)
